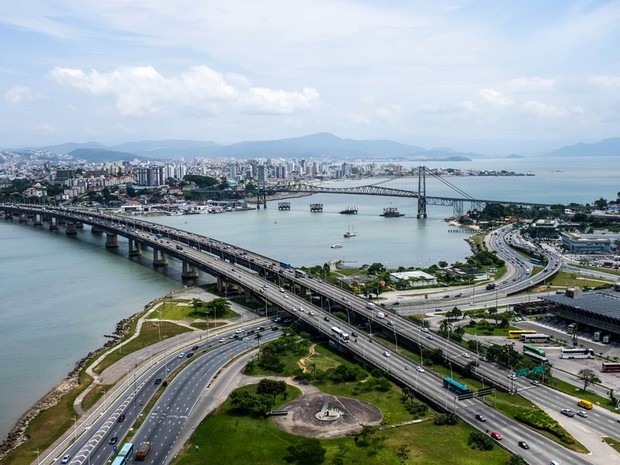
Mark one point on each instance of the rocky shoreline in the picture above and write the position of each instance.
(17, 435)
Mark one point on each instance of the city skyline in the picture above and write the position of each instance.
(482, 76)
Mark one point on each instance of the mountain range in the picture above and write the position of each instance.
(310, 146)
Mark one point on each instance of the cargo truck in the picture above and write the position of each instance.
(143, 450)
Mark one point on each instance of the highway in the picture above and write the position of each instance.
(276, 284)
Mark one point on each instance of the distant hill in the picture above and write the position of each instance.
(314, 145)
(101, 155)
(604, 148)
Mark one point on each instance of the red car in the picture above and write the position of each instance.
(496, 435)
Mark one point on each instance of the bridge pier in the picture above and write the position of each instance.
(95, 230)
(71, 229)
(111, 240)
(421, 192)
(189, 272)
(23, 218)
(53, 223)
(135, 248)
(38, 220)
(159, 258)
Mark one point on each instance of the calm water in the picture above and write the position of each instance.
(60, 295)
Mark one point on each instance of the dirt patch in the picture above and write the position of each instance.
(301, 419)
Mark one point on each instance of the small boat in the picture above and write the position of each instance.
(349, 211)
(336, 246)
(350, 233)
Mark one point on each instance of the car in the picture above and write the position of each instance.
(386, 354)
(223, 339)
(424, 330)
(390, 323)
(239, 331)
(275, 328)
(495, 435)
(430, 337)
(465, 354)
(326, 318)
(534, 382)
(480, 417)
(420, 369)
(158, 381)
(512, 376)
(568, 412)
(396, 303)
(121, 418)
(113, 440)
(182, 354)
(523, 445)
(311, 313)
(582, 414)
(353, 334)
(66, 458)
(190, 354)
(195, 348)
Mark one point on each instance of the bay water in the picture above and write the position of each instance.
(60, 295)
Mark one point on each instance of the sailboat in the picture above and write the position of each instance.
(350, 233)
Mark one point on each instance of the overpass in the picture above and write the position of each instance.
(457, 203)
(260, 278)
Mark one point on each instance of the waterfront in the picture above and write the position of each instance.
(61, 295)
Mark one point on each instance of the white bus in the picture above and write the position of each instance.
(340, 334)
(577, 353)
(536, 337)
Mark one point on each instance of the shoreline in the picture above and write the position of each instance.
(17, 434)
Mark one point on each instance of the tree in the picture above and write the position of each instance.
(588, 377)
(515, 460)
(307, 452)
(403, 453)
(376, 268)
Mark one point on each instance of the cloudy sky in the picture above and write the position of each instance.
(414, 71)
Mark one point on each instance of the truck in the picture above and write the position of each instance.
(490, 286)
(596, 336)
(285, 265)
(143, 450)
(606, 338)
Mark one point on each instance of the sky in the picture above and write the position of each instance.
(499, 74)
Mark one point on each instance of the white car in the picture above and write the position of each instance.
(419, 369)
(386, 354)
(425, 330)
(582, 414)
(223, 339)
(181, 354)
(66, 459)
(465, 354)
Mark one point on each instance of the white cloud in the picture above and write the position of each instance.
(606, 81)
(141, 90)
(495, 98)
(17, 94)
(543, 110)
(532, 83)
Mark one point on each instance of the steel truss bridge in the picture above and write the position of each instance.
(457, 203)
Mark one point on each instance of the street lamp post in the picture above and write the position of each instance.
(38, 454)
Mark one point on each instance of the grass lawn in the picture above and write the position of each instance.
(149, 335)
(227, 438)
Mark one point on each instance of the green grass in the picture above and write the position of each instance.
(150, 334)
(570, 389)
(228, 438)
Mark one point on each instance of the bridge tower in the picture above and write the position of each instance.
(261, 192)
(422, 192)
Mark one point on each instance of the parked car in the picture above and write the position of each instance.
(495, 435)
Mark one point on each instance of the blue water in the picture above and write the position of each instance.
(60, 295)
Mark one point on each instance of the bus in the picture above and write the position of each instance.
(536, 357)
(610, 367)
(533, 349)
(516, 333)
(300, 273)
(340, 334)
(124, 456)
(536, 337)
(455, 386)
(577, 353)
